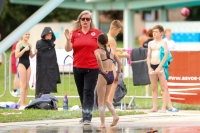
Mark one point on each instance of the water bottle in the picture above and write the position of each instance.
(65, 103)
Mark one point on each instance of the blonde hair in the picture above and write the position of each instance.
(116, 24)
(22, 37)
(167, 29)
(77, 24)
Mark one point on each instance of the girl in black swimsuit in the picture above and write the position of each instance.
(23, 51)
(105, 57)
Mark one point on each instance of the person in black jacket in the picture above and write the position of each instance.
(47, 71)
(150, 38)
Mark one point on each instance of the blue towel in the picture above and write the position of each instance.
(166, 64)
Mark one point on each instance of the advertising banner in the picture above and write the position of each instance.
(184, 77)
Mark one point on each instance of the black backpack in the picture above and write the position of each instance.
(46, 101)
(121, 90)
(46, 105)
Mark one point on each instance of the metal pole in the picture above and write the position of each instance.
(10, 74)
(5, 76)
(95, 17)
(28, 24)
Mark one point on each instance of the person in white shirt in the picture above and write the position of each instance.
(32, 81)
(170, 42)
(171, 46)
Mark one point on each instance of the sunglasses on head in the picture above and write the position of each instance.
(87, 19)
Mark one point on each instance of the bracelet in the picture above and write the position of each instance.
(117, 72)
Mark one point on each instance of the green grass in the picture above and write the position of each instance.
(33, 115)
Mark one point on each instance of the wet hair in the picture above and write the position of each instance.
(77, 23)
(150, 32)
(116, 24)
(159, 27)
(103, 40)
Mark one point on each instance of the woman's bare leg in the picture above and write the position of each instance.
(101, 90)
(22, 84)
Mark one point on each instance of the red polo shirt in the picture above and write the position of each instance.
(84, 46)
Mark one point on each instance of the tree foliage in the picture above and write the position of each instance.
(62, 15)
(194, 13)
(113, 14)
(15, 14)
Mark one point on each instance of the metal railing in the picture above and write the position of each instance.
(10, 74)
(33, 96)
(132, 102)
(5, 74)
(70, 65)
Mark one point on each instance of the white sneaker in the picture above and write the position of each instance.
(22, 108)
(14, 93)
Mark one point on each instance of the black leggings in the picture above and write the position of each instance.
(85, 80)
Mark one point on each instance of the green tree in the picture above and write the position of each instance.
(62, 15)
(117, 14)
(194, 13)
(15, 14)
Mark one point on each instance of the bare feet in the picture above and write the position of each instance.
(153, 110)
(162, 111)
(115, 120)
(103, 130)
(102, 126)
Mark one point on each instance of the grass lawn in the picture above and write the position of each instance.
(8, 115)
(68, 87)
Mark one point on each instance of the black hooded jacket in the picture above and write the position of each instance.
(47, 71)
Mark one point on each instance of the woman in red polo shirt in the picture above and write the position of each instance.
(83, 42)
